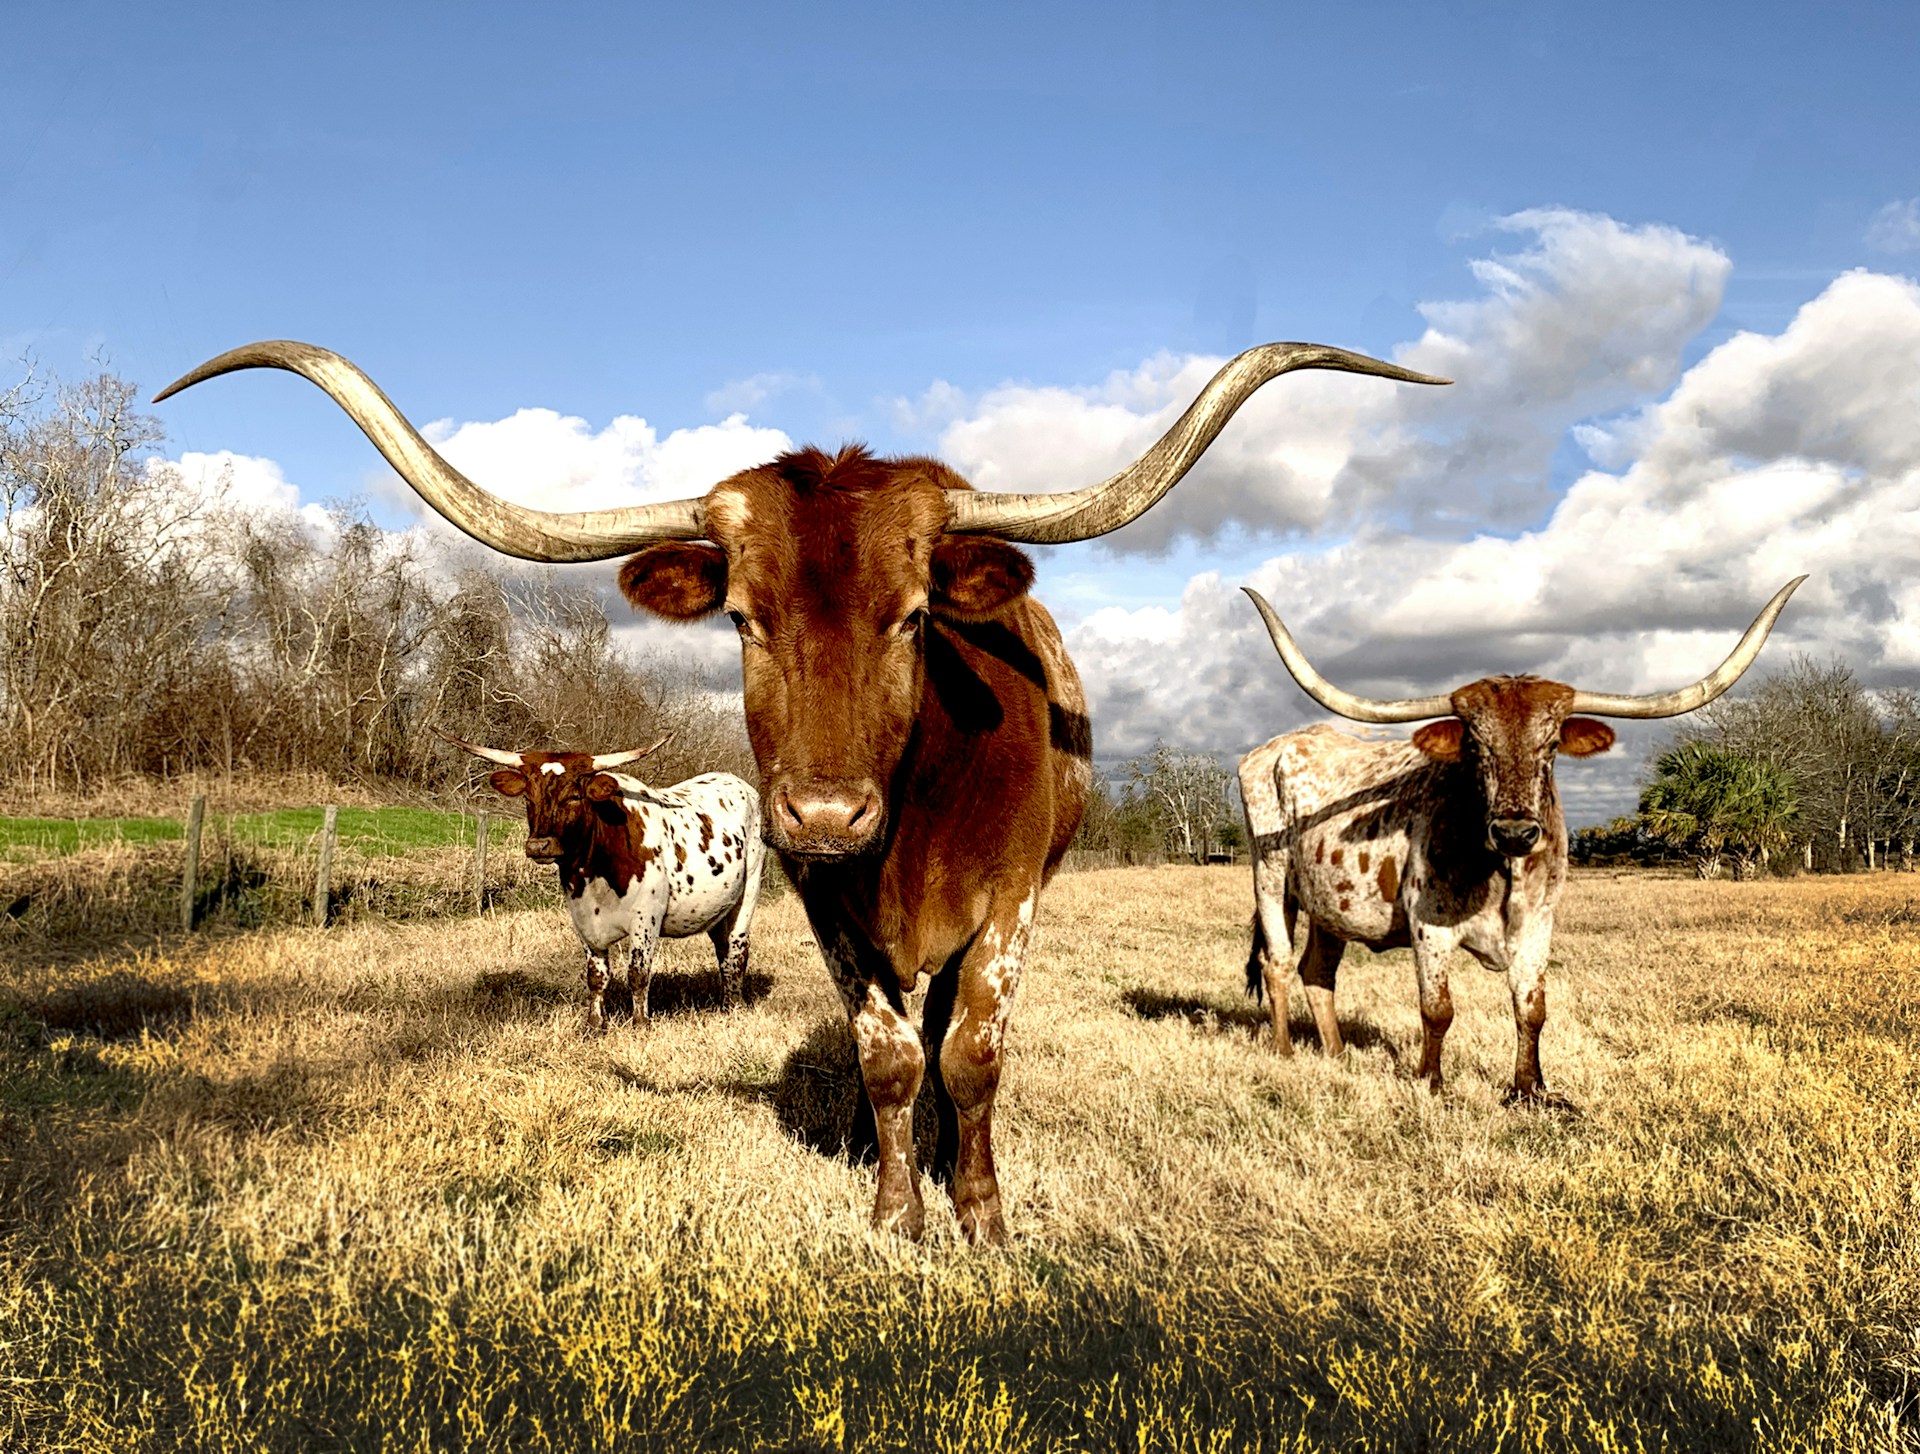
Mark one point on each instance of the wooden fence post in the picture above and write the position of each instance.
(480, 865)
(328, 828)
(190, 875)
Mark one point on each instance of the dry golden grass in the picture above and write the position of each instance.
(139, 795)
(370, 1189)
(130, 892)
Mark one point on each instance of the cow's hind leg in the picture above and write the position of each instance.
(730, 946)
(640, 949)
(1431, 950)
(1270, 962)
(970, 1057)
(740, 932)
(1319, 967)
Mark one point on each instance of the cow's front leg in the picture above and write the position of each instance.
(1527, 982)
(597, 978)
(971, 1053)
(640, 950)
(891, 1064)
(891, 1061)
(1431, 950)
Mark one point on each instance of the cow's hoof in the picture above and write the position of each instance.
(982, 1225)
(1537, 1098)
(908, 1220)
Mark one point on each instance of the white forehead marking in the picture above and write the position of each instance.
(553, 767)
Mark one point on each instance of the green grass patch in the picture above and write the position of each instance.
(22, 838)
(377, 832)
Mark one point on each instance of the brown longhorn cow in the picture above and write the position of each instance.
(921, 735)
(1454, 840)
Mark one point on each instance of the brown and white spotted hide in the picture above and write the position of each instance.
(1453, 840)
(924, 749)
(639, 864)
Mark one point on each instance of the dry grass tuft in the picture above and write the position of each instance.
(370, 1189)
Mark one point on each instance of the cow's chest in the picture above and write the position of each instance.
(603, 915)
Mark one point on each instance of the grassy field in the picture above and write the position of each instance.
(371, 1190)
(71, 880)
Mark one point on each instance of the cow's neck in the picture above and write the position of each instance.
(589, 850)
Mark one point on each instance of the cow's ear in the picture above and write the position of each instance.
(506, 781)
(1441, 740)
(600, 787)
(1583, 737)
(682, 580)
(976, 576)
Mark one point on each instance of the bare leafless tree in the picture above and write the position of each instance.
(104, 584)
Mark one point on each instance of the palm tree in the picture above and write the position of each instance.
(1711, 801)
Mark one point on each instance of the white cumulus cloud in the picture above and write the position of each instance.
(554, 461)
(1896, 227)
(1588, 318)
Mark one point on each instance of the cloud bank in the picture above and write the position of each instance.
(1772, 457)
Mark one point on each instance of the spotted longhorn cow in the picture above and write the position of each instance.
(1453, 840)
(638, 863)
(921, 734)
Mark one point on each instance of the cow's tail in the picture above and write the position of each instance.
(1256, 961)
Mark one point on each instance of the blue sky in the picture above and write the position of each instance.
(821, 214)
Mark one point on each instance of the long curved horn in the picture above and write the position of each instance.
(491, 754)
(1672, 704)
(1083, 514)
(542, 535)
(620, 759)
(1360, 709)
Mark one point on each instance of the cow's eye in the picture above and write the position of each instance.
(911, 624)
(748, 631)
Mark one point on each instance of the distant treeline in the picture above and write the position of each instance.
(148, 626)
(1803, 770)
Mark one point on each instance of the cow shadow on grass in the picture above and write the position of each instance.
(1249, 1019)
(818, 1098)
(506, 994)
(116, 1007)
(73, 1111)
